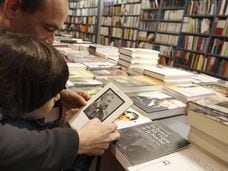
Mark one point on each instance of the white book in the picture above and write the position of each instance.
(131, 118)
(134, 52)
(189, 159)
(167, 73)
(188, 92)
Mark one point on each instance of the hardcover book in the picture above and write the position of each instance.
(158, 105)
(146, 142)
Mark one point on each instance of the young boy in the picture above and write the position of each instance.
(32, 74)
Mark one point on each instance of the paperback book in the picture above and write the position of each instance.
(146, 142)
(131, 118)
(133, 84)
(187, 92)
(158, 105)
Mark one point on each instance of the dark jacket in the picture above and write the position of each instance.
(25, 146)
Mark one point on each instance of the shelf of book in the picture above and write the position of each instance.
(82, 19)
(164, 19)
(203, 41)
(119, 23)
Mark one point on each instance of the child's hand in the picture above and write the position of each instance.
(66, 117)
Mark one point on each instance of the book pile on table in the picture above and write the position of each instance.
(208, 118)
(137, 57)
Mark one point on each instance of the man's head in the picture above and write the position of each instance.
(40, 18)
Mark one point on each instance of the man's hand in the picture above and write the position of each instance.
(95, 137)
(73, 99)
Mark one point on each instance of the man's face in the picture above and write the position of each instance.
(44, 22)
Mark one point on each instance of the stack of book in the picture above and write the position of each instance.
(108, 52)
(188, 92)
(208, 118)
(169, 75)
(137, 57)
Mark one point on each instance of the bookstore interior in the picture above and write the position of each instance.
(159, 70)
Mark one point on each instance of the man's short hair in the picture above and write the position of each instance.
(28, 6)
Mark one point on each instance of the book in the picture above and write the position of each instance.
(100, 65)
(130, 118)
(85, 82)
(188, 159)
(212, 126)
(213, 105)
(76, 65)
(108, 72)
(132, 84)
(146, 142)
(167, 73)
(106, 105)
(139, 52)
(91, 90)
(208, 143)
(139, 59)
(158, 105)
(220, 89)
(80, 73)
(187, 92)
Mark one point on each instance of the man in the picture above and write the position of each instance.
(42, 18)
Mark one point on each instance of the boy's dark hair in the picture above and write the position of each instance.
(28, 6)
(31, 73)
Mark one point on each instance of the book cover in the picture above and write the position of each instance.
(217, 105)
(109, 72)
(100, 65)
(187, 92)
(80, 73)
(131, 118)
(82, 82)
(145, 142)
(220, 89)
(158, 105)
(131, 84)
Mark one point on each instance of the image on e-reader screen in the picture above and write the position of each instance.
(104, 106)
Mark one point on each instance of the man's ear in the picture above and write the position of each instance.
(11, 8)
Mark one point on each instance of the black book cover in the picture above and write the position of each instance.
(145, 142)
(149, 105)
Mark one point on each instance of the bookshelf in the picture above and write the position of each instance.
(168, 30)
(82, 19)
(159, 27)
(119, 23)
(203, 42)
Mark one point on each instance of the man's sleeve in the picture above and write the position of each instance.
(21, 149)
